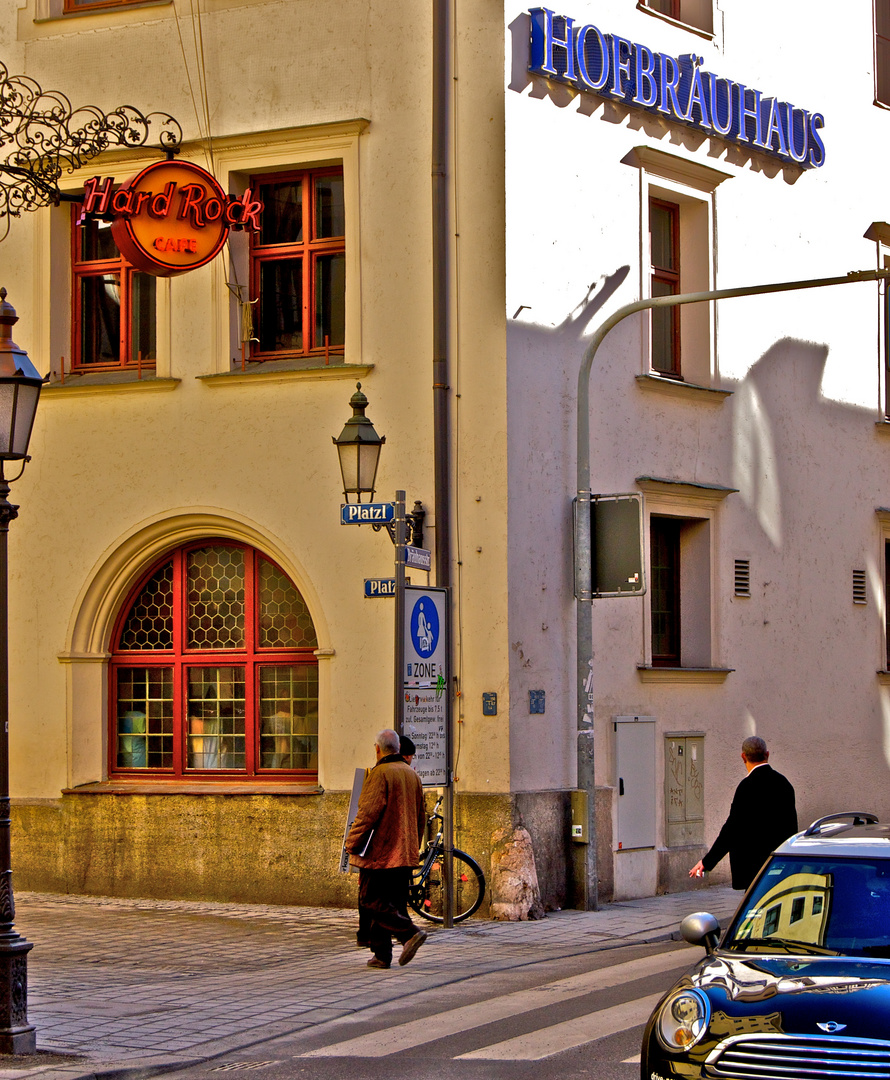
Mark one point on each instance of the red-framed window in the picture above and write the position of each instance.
(213, 670)
(298, 265)
(114, 305)
(87, 5)
(664, 246)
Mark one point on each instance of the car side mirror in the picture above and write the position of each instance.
(701, 928)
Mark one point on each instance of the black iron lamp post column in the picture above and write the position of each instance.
(20, 385)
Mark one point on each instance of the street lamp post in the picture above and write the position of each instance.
(20, 385)
(358, 446)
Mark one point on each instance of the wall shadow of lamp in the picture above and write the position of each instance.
(358, 448)
(20, 385)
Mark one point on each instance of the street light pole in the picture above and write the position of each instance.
(20, 385)
(17, 1036)
(583, 570)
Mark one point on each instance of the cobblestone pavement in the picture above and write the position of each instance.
(133, 987)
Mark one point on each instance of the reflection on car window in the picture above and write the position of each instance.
(824, 905)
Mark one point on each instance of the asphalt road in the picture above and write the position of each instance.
(569, 1018)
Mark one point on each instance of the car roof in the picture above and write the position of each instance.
(849, 835)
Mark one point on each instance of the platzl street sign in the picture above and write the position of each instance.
(375, 587)
(366, 513)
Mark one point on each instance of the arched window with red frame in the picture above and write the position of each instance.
(213, 670)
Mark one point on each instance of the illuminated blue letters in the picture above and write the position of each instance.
(675, 87)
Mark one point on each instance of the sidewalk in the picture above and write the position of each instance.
(134, 987)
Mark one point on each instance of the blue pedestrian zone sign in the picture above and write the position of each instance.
(425, 626)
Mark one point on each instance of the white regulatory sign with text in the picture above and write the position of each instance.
(425, 681)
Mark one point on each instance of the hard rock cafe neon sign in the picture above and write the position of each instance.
(171, 217)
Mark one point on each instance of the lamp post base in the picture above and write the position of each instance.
(17, 1036)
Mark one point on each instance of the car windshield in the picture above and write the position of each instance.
(834, 907)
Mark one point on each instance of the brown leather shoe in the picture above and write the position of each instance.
(376, 963)
(411, 947)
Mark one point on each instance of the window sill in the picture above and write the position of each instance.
(677, 388)
(116, 382)
(276, 371)
(144, 786)
(682, 675)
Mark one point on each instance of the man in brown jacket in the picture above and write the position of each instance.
(384, 843)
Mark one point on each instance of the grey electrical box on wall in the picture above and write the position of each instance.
(635, 767)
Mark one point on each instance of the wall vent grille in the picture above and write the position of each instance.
(743, 577)
(859, 593)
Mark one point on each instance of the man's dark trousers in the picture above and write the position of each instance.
(383, 908)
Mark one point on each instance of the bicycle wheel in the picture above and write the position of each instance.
(427, 897)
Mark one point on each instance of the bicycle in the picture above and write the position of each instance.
(427, 893)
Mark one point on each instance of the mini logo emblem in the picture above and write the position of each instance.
(831, 1027)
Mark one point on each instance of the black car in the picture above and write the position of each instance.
(798, 987)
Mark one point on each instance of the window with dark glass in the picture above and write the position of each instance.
(214, 671)
(298, 266)
(113, 304)
(664, 246)
(887, 602)
(87, 5)
(665, 7)
(882, 51)
(695, 13)
(664, 549)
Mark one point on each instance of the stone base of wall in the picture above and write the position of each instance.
(262, 849)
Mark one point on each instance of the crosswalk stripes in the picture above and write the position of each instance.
(536, 1045)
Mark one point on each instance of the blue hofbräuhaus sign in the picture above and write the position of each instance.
(674, 87)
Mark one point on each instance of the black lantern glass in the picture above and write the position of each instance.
(358, 446)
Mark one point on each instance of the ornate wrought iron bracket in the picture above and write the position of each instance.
(42, 135)
(414, 522)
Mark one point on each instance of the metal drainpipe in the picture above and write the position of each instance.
(441, 105)
(584, 615)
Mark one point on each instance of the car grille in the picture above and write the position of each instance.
(789, 1057)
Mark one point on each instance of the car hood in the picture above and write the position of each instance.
(756, 977)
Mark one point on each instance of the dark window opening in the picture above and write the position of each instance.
(664, 246)
(664, 542)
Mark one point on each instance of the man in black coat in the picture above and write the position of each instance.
(762, 816)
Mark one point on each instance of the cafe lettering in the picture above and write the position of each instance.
(674, 87)
(171, 217)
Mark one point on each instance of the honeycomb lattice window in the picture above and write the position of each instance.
(214, 672)
(216, 598)
(150, 622)
(285, 622)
